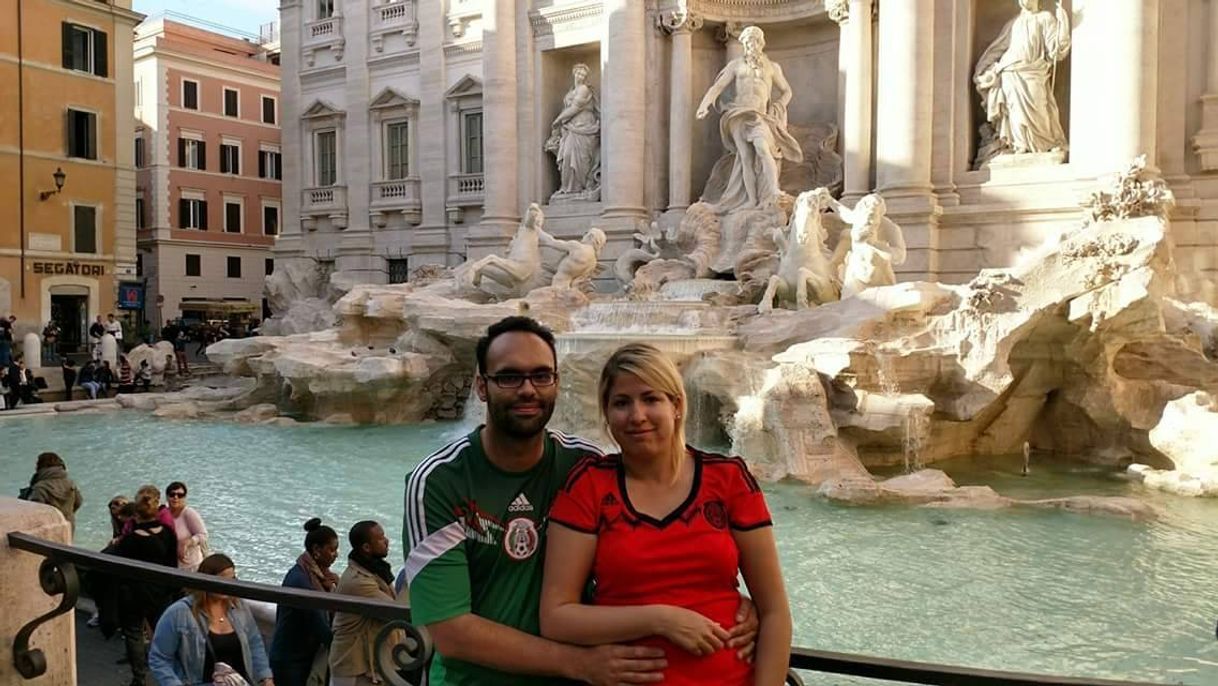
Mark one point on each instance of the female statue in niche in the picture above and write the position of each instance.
(575, 140)
(1015, 78)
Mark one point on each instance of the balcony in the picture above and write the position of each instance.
(398, 195)
(323, 34)
(464, 190)
(329, 202)
(391, 18)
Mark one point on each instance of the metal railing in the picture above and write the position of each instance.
(400, 662)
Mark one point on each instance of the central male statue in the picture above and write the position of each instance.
(754, 123)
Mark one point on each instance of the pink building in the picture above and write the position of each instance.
(209, 165)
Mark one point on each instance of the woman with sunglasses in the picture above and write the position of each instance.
(188, 525)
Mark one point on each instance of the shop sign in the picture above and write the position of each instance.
(131, 296)
(69, 268)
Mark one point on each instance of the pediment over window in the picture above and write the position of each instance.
(320, 109)
(390, 99)
(464, 87)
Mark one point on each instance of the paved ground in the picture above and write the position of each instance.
(95, 656)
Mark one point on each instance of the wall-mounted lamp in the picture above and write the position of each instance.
(60, 177)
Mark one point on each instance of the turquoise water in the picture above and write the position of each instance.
(1032, 591)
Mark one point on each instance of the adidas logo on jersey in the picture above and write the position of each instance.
(520, 504)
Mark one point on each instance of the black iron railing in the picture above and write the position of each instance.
(402, 648)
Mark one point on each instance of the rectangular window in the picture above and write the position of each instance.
(230, 158)
(84, 49)
(84, 229)
(397, 151)
(231, 104)
(270, 164)
(192, 153)
(190, 94)
(82, 134)
(270, 220)
(472, 141)
(270, 266)
(268, 110)
(234, 267)
(194, 265)
(139, 213)
(399, 271)
(325, 9)
(326, 157)
(232, 216)
(192, 213)
(139, 151)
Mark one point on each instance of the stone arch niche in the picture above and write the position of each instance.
(555, 81)
(988, 19)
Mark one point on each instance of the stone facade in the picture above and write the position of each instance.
(894, 78)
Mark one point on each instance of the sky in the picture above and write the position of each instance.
(243, 15)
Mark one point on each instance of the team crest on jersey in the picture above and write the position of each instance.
(520, 539)
(715, 513)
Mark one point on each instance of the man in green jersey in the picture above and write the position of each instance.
(475, 532)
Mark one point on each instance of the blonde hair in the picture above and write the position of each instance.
(653, 368)
(147, 502)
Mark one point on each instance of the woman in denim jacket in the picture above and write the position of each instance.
(202, 630)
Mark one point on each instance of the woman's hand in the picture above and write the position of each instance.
(691, 631)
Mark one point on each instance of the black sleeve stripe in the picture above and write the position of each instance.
(752, 527)
(739, 463)
(586, 463)
(573, 527)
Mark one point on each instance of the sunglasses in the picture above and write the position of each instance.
(176, 494)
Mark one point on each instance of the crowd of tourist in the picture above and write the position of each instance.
(503, 530)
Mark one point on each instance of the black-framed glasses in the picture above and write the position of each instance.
(176, 494)
(516, 380)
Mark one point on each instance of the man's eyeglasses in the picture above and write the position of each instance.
(515, 380)
(176, 494)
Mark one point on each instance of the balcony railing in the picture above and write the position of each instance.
(324, 199)
(401, 663)
(394, 16)
(398, 195)
(466, 189)
(323, 30)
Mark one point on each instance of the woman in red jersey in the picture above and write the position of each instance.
(663, 529)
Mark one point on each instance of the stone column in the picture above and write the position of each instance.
(904, 130)
(729, 33)
(680, 23)
(623, 108)
(1114, 85)
(854, 63)
(501, 213)
(1206, 140)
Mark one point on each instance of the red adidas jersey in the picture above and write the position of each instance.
(688, 559)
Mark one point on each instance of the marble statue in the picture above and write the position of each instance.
(1015, 77)
(647, 248)
(805, 275)
(578, 266)
(753, 125)
(518, 271)
(575, 141)
(865, 257)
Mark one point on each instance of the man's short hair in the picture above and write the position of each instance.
(361, 533)
(508, 325)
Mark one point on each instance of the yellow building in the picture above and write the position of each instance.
(67, 106)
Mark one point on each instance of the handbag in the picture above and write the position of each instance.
(222, 673)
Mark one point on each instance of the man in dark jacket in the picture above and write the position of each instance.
(50, 485)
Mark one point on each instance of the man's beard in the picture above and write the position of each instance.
(501, 417)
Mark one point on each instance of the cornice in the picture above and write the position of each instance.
(757, 11)
(466, 49)
(544, 21)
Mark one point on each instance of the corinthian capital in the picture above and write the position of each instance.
(838, 10)
(680, 20)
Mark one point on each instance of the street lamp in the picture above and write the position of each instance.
(59, 177)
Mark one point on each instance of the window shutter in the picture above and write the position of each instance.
(183, 212)
(203, 214)
(90, 121)
(203, 155)
(66, 32)
(71, 132)
(261, 164)
(101, 54)
(181, 152)
(223, 159)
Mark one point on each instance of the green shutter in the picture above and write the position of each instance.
(66, 33)
(203, 155)
(101, 54)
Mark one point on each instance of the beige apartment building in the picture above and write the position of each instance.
(209, 161)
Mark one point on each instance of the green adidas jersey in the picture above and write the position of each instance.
(475, 538)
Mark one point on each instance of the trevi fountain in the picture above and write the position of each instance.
(1025, 428)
